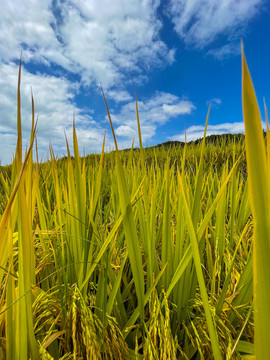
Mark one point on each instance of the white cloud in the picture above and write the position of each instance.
(215, 102)
(101, 40)
(119, 96)
(114, 43)
(226, 50)
(8, 145)
(197, 131)
(113, 38)
(125, 131)
(54, 106)
(154, 111)
(26, 26)
(180, 108)
(200, 22)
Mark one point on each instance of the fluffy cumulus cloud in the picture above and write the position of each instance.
(101, 45)
(200, 22)
(125, 131)
(197, 131)
(119, 96)
(93, 42)
(215, 102)
(27, 26)
(69, 47)
(153, 112)
(54, 107)
(121, 38)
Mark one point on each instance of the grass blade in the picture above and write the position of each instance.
(259, 193)
(197, 262)
(133, 246)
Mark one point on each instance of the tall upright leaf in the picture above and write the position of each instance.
(134, 250)
(259, 193)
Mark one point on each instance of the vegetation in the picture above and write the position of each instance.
(142, 254)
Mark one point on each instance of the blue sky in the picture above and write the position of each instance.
(178, 54)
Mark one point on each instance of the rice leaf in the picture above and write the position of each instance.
(197, 262)
(259, 193)
(133, 246)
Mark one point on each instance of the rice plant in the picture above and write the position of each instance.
(143, 254)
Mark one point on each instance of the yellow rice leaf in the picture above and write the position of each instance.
(259, 194)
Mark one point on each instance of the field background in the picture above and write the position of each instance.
(143, 253)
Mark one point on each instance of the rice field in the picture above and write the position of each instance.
(159, 253)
